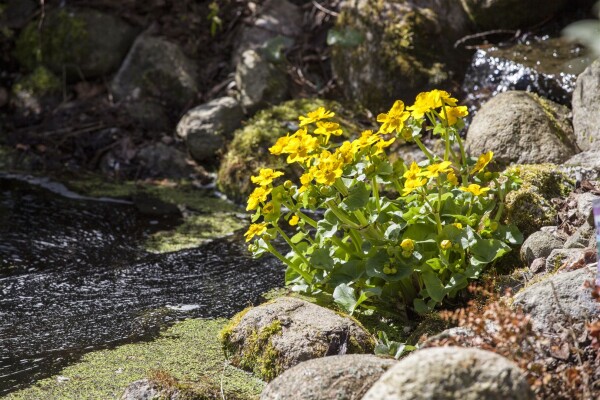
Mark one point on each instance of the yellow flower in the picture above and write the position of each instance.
(268, 208)
(393, 121)
(482, 162)
(300, 146)
(305, 180)
(452, 178)
(259, 194)
(412, 184)
(255, 230)
(427, 101)
(408, 245)
(454, 113)
(294, 220)
(314, 116)
(434, 170)
(328, 169)
(266, 176)
(382, 144)
(458, 225)
(279, 145)
(413, 172)
(475, 189)
(328, 129)
(366, 139)
(345, 153)
(445, 244)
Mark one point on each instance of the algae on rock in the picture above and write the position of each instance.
(249, 149)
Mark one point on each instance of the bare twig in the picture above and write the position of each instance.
(325, 10)
(484, 34)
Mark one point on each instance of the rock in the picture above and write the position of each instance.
(248, 151)
(539, 244)
(144, 389)
(82, 40)
(452, 373)
(569, 259)
(16, 13)
(548, 68)
(538, 265)
(149, 115)
(260, 82)
(530, 207)
(522, 128)
(583, 237)
(208, 127)
(510, 14)
(275, 18)
(156, 69)
(277, 335)
(388, 50)
(584, 165)
(456, 333)
(161, 160)
(336, 377)
(36, 92)
(560, 300)
(585, 209)
(586, 108)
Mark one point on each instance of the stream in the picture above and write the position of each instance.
(75, 278)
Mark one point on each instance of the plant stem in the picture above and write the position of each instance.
(287, 262)
(292, 245)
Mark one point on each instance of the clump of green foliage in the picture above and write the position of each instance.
(390, 236)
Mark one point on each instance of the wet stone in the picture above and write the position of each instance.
(548, 68)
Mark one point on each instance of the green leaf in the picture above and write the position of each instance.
(358, 197)
(509, 234)
(346, 37)
(487, 250)
(421, 307)
(328, 226)
(344, 296)
(298, 237)
(320, 258)
(435, 287)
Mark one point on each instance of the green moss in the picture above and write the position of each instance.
(249, 152)
(40, 82)
(59, 42)
(195, 230)
(530, 207)
(551, 112)
(226, 331)
(189, 352)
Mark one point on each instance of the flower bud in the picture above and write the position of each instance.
(493, 226)
(252, 248)
(326, 190)
(408, 245)
(406, 254)
(446, 244)
(458, 225)
(387, 270)
(287, 184)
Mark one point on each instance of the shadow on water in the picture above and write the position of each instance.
(73, 278)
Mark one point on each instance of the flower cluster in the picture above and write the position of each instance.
(388, 234)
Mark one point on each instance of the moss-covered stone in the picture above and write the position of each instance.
(249, 149)
(40, 82)
(530, 207)
(78, 41)
(189, 353)
(403, 49)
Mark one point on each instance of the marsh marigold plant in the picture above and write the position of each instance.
(378, 234)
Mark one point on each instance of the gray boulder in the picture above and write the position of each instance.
(586, 108)
(278, 335)
(561, 299)
(452, 373)
(584, 165)
(158, 159)
(206, 128)
(522, 128)
(274, 18)
(510, 14)
(539, 244)
(81, 40)
(260, 82)
(156, 68)
(337, 377)
(388, 50)
(585, 206)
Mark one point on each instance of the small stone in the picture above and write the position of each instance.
(62, 379)
(581, 238)
(538, 265)
(144, 389)
(561, 299)
(584, 165)
(539, 244)
(452, 373)
(160, 160)
(336, 377)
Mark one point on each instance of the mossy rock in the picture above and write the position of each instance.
(82, 41)
(187, 355)
(36, 91)
(393, 49)
(279, 334)
(249, 149)
(530, 207)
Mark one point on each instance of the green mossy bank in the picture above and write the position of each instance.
(189, 352)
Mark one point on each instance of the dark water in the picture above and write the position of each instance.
(73, 278)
